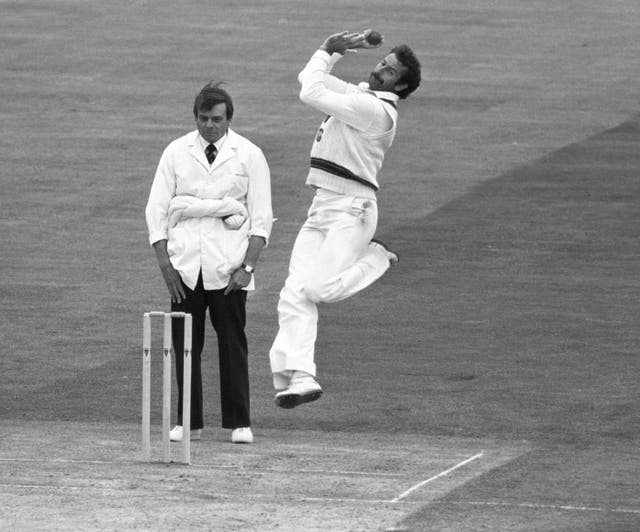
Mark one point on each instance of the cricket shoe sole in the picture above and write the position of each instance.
(298, 393)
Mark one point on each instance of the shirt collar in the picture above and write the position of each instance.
(218, 143)
(383, 95)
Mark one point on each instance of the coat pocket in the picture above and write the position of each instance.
(176, 241)
(236, 243)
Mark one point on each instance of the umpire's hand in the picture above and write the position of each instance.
(239, 279)
(174, 282)
(169, 273)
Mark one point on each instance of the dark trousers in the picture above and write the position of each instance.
(228, 317)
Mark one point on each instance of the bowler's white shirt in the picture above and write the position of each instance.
(239, 171)
(358, 131)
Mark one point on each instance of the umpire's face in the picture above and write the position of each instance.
(387, 75)
(214, 123)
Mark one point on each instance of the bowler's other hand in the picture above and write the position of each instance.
(341, 42)
(174, 283)
(364, 43)
(238, 280)
(348, 41)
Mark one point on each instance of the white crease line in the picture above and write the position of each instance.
(346, 499)
(565, 507)
(204, 465)
(56, 487)
(138, 493)
(436, 477)
(59, 461)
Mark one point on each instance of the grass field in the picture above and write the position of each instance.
(487, 383)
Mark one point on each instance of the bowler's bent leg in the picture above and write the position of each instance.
(347, 262)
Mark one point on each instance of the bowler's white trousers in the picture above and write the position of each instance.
(330, 261)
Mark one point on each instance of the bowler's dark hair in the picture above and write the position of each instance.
(210, 95)
(411, 75)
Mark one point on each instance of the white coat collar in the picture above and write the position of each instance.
(228, 149)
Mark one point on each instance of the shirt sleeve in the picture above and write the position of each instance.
(162, 191)
(259, 195)
(344, 101)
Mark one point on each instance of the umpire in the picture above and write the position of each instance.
(209, 216)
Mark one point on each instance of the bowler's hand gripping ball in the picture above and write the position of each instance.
(374, 37)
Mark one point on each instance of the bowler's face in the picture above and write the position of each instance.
(387, 74)
(213, 124)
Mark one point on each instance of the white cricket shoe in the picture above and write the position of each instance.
(391, 255)
(302, 388)
(242, 435)
(176, 433)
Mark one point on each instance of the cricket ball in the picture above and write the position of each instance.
(374, 37)
(234, 222)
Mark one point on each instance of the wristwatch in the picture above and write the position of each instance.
(247, 268)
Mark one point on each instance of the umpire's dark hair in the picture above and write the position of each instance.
(212, 94)
(411, 76)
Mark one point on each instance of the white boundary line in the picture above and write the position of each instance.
(436, 477)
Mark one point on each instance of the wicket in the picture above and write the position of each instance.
(166, 386)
